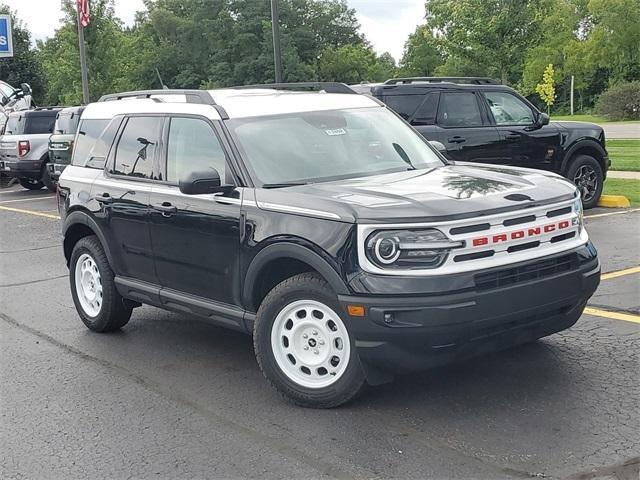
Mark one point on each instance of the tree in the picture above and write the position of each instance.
(421, 54)
(546, 89)
(107, 56)
(24, 66)
(490, 37)
(354, 63)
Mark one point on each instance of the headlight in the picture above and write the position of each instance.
(424, 248)
(577, 208)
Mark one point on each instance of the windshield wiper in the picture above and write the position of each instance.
(283, 184)
(403, 155)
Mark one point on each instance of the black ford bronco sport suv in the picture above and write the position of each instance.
(479, 120)
(321, 224)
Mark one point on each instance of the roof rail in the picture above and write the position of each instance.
(329, 87)
(468, 80)
(191, 95)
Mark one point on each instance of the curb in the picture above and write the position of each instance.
(614, 201)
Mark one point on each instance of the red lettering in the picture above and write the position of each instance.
(549, 228)
(563, 224)
(517, 235)
(500, 238)
(478, 242)
(534, 231)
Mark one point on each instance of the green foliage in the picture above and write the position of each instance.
(353, 63)
(488, 37)
(421, 54)
(620, 102)
(24, 65)
(546, 89)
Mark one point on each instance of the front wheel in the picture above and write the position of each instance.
(303, 346)
(586, 173)
(47, 181)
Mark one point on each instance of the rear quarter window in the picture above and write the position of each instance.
(66, 123)
(89, 131)
(15, 125)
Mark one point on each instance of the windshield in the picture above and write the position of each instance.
(309, 147)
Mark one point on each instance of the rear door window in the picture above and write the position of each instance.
(459, 109)
(137, 147)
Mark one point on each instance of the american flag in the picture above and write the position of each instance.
(83, 12)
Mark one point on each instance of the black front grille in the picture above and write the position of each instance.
(524, 273)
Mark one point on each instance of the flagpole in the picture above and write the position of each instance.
(83, 60)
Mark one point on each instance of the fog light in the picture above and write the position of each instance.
(388, 318)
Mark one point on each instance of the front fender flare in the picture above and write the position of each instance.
(578, 145)
(289, 250)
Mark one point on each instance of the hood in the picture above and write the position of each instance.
(582, 126)
(444, 193)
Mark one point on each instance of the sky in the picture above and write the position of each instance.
(385, 23)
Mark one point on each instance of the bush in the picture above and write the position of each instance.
(620, 102)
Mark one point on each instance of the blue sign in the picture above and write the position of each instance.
(6, 44)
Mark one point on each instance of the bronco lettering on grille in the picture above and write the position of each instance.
(520, 234)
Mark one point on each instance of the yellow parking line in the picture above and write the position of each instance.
(32, 199)
(612, 213)
(626, 317)
(29, 212)
(619, 273)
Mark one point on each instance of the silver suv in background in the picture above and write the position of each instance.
(24, 147)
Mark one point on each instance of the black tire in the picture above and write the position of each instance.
(47, 181)
(578, 167)
(31, 183)
(113, 313)
(305, 286)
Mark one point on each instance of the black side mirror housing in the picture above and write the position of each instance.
(199, 182)
(543, 119)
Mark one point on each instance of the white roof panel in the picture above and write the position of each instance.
(242, 102)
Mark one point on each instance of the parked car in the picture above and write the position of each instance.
(24, 147)
(321, 224)
(61, 140)
(12, 100)
(479, 120)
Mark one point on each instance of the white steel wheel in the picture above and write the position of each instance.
(310, 344)
(88, 285)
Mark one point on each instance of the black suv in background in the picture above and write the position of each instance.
(480, 120)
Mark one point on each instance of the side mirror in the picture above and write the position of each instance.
(543, 119)
(202, 181)
(438, 146)
(26, 88)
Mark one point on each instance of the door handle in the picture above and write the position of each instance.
(456, 139)
(513, 137)
(166, 208)
(104, 198)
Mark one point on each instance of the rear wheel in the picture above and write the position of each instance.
(303, 346)
(94, 293)
(586, 173)
(31, 183)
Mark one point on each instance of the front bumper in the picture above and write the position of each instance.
(56, 169)
(507, 306)
(21, 168)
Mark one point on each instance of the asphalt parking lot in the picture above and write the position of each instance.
(172, 397)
